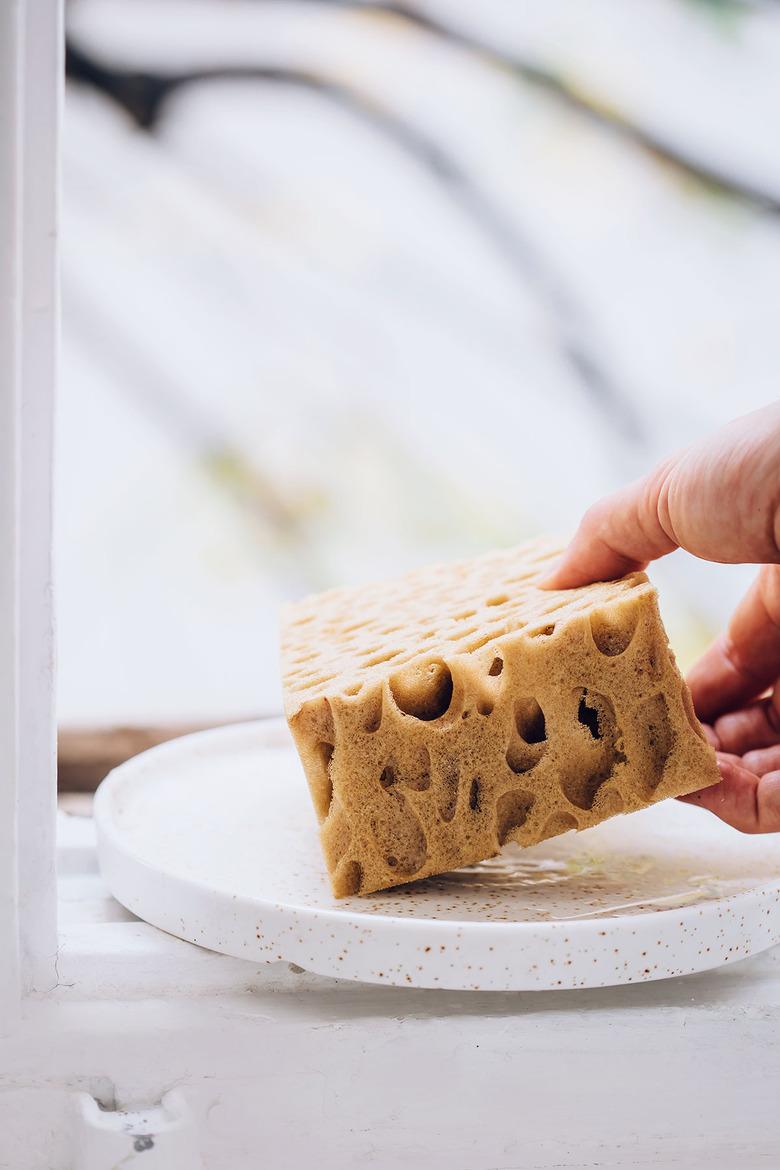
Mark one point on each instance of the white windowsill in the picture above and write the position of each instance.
(310, 1071)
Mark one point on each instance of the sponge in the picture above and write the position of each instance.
(440, 715)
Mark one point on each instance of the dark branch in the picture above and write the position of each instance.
(143, 95)
(698, 170)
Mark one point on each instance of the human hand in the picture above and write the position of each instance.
(720, 500)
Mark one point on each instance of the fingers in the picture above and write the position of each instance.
(734, 799)
(768, 800)
(731, 758)
(762, 761)
(742, 663)
(747, 730)
(618, 535)
(747, 802)
(718, 499)
(722, 493)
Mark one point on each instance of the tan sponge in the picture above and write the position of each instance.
(447, 712)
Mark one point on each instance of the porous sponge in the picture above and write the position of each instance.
(459, 707)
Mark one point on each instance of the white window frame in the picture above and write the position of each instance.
(30, 104)
(38, 955)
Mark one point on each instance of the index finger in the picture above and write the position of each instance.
(748, 802)
(718, 499)
(618, 535)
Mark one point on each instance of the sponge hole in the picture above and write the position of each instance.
(317, 680)
(599, 753)
(612, 633)
(399, 835)
(658, 736)
(372, 712)
(448, 791)
(423, 691)
(512, 811)
(522, 757)
(322, 790)
(349, 879)
(529, 720)
(559, 823)
(356, 626)
(388, 777)
(378, 659)
(596, 713)
(479, 643)
(589, 717)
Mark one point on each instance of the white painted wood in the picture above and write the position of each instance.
(43, 79)
(676, 1075)
(10, 294)
(132, 960)
(287, 1070)
(157, 1137)
(30, 82)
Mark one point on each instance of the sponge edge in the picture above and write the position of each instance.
(443, 714)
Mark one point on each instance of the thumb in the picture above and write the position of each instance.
(617, 535)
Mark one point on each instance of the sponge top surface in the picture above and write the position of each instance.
(336, 642)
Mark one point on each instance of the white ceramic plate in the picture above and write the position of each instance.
(213, 838)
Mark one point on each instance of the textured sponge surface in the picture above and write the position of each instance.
(459, 707)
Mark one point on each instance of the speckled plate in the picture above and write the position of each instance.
(213, 838)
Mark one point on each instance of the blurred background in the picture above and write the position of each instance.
(349, 287)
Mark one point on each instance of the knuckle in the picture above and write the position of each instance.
(769, 592)
(735, 656)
